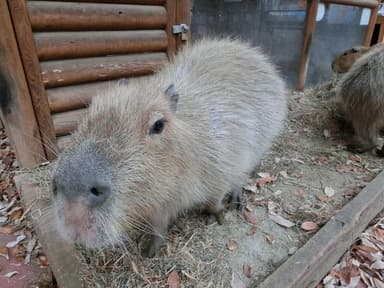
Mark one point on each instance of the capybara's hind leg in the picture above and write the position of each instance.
(215, 212)
(366, 138)
(156, 241)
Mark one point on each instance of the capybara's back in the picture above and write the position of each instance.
(360, 92)
(181, 138)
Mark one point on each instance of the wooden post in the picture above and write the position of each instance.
(310, 22)
(380, 21)
(371, 26)
(171, 7)
(313, 261)
(183, 15)
(16, 109)
(32, 70)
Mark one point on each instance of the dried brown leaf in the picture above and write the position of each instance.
(261, 182)
(309, 226)
(174, 280)
(250, 217)
(247, 270)
(300, 193)
(231, 245)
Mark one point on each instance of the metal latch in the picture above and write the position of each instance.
(181, 28)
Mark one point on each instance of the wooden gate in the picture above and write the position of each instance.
(56, 55)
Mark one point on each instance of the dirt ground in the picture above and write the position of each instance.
(305, 179)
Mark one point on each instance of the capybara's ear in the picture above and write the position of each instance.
(173, 97)
(122, 81)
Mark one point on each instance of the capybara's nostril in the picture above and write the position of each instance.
(98, 194)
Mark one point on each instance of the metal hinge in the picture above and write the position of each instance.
(181, 29)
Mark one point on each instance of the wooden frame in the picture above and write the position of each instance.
(310, 23)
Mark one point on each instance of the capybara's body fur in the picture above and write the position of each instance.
(360, 93)
(181, 138)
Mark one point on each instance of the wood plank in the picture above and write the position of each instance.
(380, 38)
(371, 26)
(140, 2)
(357, 3)
(16, 109)
(53, 15)
(62, 45)
(171, 7)
(310, 23)
(68, 72)
(314, 260)
(61, 255)
(66, 122)
(73, 97)
(31, 65)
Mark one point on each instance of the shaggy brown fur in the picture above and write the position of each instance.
(360, 93)
(343, 62)
(155, 147)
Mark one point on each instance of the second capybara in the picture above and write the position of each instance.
(360, 94)
(155, 147)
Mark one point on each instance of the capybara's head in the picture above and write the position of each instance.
(123, 159)
(343, 62)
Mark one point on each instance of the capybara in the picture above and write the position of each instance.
(360, 94)
(343, 62)
(155, 147)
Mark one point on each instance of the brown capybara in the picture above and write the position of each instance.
(343, 62)
(360, 94)
(179, 139)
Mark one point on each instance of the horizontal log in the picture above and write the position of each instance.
(61, 45)
(69, 72)
(65, 123)
(358, 3)
(53, 15)
(75, 97)
(140, 2)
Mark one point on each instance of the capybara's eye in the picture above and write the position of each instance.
(355, 50)
(157, 127)
(345, 54)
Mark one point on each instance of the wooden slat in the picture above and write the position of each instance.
(310, 22)
(171, 6)
(183, 15)
(51, 15)
(140, 2)
(31, 65)
(357, 3)
(371, 26)
(68, 72)
(61, 255)
(16, 109)
(62, 99)
(313, 261)
(61, 45)
(66, 122)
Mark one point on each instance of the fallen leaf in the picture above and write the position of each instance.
(236, 282)
(250, 217)
(247, 270)
(354, 157)
(251, 188)
(6, 229)
(281, 221)
(174, 280)
(261, 182)
(231, 245)
(11, 274)
(17, 241)
(329, 191)
(309, 226)
(270, 238)
(16, 214)
(43, 260)
(322, 198)
(300, 193)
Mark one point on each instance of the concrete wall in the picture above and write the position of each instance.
(277, 26)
